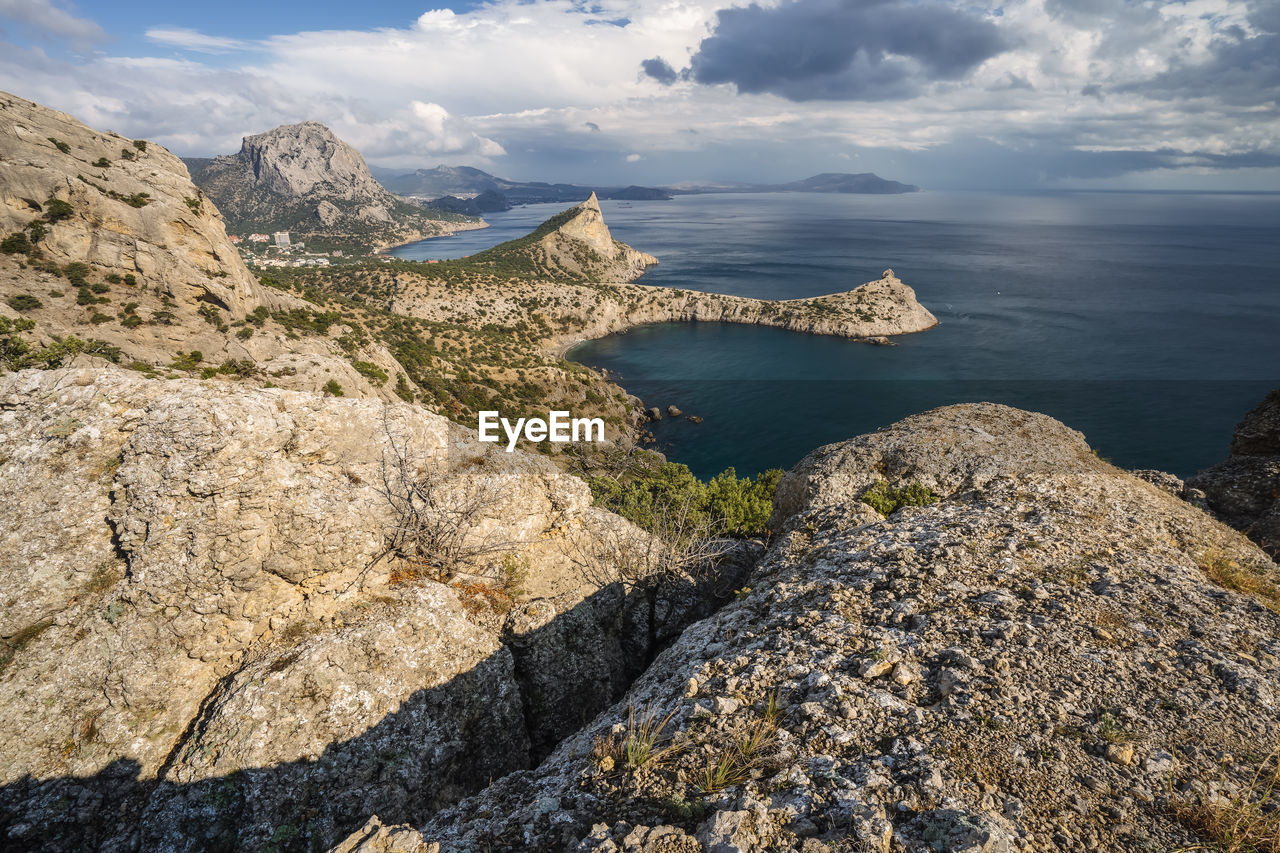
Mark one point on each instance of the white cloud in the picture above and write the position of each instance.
(44, 17)
(189, 39)
(562, 79)
(634, 158)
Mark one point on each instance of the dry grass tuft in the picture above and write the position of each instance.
(1248, 822)
(641, 743)
(1229, 573)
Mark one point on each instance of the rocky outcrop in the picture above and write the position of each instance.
(209, 640)
(1027, 653)
(885, 306)
(112, 253)
(303, 178)
(1244, 490)
(586, 228)
(130, 209)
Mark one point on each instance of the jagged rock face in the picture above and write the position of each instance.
(205, 638)
(297, 159)
(582, 246)
(1011, 667)
(293, 165)
(138, 214)
(588, 227)
(1244, 490)
(303, 178)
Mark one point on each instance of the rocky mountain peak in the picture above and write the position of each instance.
(297, 159)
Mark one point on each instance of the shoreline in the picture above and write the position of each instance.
(461, 226)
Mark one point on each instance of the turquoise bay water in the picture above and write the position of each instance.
(1150, 322)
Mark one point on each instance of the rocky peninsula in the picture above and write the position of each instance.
(581, 278)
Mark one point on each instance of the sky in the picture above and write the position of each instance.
(947, 94)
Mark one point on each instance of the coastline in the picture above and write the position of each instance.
(872, 313)
(458, 226)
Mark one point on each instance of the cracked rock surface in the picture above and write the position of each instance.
(1037, 661)
(205, 642)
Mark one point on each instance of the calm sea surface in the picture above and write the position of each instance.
(1150, 322)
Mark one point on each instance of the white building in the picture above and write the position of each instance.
(282, 239)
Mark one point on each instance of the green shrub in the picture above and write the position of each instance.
(16, 244)
(55, 209)
(98, 318)
(129, 279)
(370, 371)
(60, 145)
(187, 361)
(885, 499)
(102, 163)
(76, 273)
(727, 505)
(140, 144)
(332, 388)
(24, 302)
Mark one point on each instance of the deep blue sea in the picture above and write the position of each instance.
(1149, 321)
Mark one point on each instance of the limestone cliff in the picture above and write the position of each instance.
(1244, 490)
(302, 178)
(111, 253)
(586, 227)
(1030, 651)
(124, 207)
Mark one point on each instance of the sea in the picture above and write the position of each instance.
(1148, 321)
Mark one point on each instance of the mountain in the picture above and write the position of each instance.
(843, 182)
(827, 182)
(109, 253)
(489, 201)
(302, 178)
(467, 181)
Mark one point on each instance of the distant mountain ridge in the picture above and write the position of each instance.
(462, 181)
(303, 178)
(863, 183)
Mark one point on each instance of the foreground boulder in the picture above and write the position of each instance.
(1244, 490)
(1020, 648)
(212, 640)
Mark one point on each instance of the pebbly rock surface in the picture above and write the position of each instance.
(1244, 490)
(1037, 660)
(206, 642)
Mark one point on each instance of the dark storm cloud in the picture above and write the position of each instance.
(659, 69)
(843, 49)
(592, 126)
(1045, 160)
